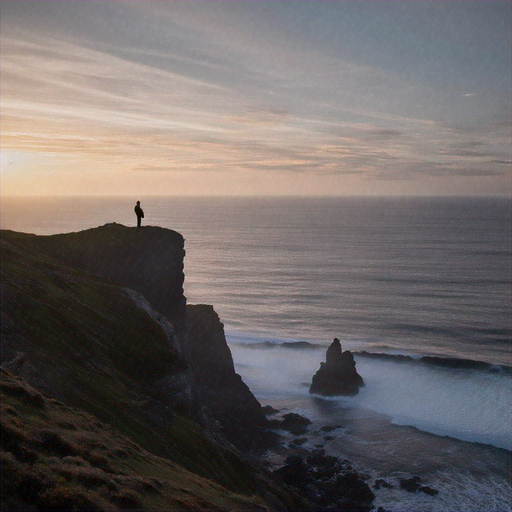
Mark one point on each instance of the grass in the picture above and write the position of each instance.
(55, 457)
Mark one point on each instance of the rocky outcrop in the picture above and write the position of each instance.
(220, 388)
(292, 422)
(328, 482)
(338, 375)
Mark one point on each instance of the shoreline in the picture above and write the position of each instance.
(380, 451)
(469, 404)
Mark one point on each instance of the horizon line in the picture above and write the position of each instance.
(255, 196)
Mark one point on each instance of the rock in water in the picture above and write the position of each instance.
(338, 375)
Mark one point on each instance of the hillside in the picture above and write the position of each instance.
(87, 345)
(57, 457)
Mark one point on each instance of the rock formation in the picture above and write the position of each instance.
(221, 390)
(149, 260)
(338, 375)
(325, 479)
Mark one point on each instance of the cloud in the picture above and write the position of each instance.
(199, 100)
(383, 134)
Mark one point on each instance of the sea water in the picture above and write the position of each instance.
(416, 277)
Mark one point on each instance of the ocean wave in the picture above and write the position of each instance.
(439, 361)
(499, 335)
(298, 345)
(444, 362)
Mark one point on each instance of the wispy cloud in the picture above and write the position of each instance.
(191, 97)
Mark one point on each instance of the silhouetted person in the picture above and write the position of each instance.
(139, 212)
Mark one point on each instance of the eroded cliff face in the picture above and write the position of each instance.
(149, 261)
(220, 388)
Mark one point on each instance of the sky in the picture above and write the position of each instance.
(255, 97)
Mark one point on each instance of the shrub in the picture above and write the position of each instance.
(67, 498)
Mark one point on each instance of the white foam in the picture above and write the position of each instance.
(457, 492)
(465, 404)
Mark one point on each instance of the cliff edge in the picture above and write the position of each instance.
(148, 259)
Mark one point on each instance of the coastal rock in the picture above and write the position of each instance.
(268, 410)
(220, 388)
(413, 485)
(292, 422)
(410, 484)
(338, 375)
(382, 483)
(429, 490)
(327, 482)
(330, 428)
(295, 423)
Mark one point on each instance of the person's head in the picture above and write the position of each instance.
(138, 202)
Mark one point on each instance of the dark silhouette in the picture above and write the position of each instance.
(338, 375)
(139, 212)
(333, 355)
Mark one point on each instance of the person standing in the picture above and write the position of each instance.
(139, 212)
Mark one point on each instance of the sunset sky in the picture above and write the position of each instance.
(255, 97)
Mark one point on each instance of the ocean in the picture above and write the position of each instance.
(428, 278)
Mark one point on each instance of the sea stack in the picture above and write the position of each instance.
(338, 375)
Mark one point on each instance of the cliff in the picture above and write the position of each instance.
(149, 260)
(222, 390)
(81, 328)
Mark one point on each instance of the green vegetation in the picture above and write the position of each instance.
(56, 457)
